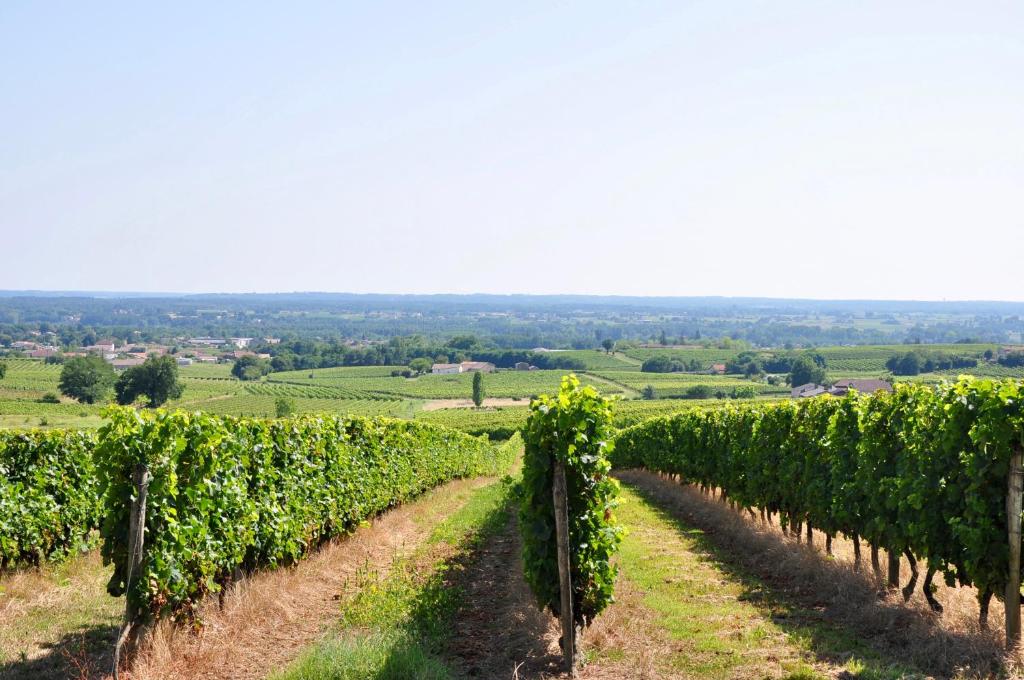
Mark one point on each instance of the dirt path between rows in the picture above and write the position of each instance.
(270, 618)
(499, 633)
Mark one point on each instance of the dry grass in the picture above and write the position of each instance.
(57, 621)
(625, 641)
(830, 590)
(269, 618)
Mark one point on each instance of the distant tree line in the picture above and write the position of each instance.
(1012, 359)
(401, 351)
(916, 362)
(667, 364)
(505, 323)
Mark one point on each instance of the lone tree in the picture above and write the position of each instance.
(3, 369)
(157, 380)
(420, 365)
(87, 379)
(284, 407)
(805, 371)
(478, 389)
(609, 345)
(250, 368)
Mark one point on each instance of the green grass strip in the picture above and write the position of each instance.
(718, 629)
(395, 627)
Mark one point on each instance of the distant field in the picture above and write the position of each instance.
(371, 390)
(521, 384)
(503, 421)
(866, 361)
(318, 375)
(706, 356)
(636, 379)
(30, 376)
(198, 370)
(599, 360)
(264, 406)
(873, 358)
(670, 385)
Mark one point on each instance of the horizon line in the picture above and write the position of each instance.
(99, 294)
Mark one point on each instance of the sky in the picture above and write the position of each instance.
(818, 149)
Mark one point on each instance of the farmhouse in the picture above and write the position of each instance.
(464, 367)
(718, 368)
(842, 387)
(482, 366)
(808, 390)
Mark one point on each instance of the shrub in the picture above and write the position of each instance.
(662, 364)
(284, 407)
(698, 392)
(744, 392)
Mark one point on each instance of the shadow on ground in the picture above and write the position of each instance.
(85, 655)
(836, 610)
(499, 632)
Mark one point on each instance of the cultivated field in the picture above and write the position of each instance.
(373, 390)
(405, 555)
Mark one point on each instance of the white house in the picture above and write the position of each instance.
(464, 367)
(241, 343)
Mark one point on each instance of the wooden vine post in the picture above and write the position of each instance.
(564, 574)
(1014, 494)
(136, 537)
(894, 568)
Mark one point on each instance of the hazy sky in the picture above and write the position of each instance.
(801, 149)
